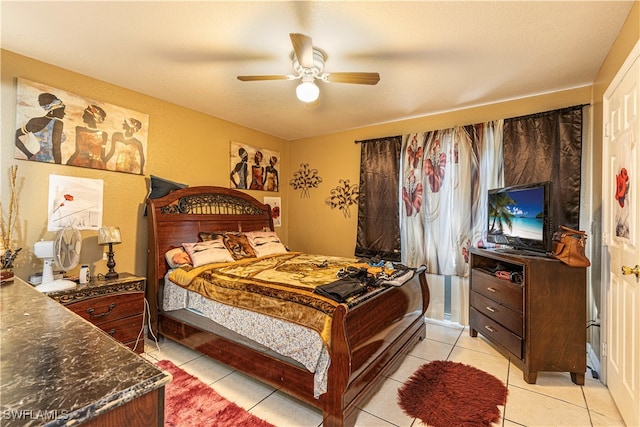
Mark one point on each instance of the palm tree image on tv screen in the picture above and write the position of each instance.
(516, 214)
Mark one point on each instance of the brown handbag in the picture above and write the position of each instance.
(568, 247)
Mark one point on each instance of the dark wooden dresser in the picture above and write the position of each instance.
(536, 316)
(116, 306)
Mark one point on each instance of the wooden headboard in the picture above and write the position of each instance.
(178, 218)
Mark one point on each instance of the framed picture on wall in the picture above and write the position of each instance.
(56, 126)
(75, 202)
(254, 168)
(276, 210)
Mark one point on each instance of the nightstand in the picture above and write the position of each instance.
(116, 306)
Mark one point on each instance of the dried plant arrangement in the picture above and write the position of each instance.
(7, 225)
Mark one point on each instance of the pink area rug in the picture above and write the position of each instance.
(446, 394)
(190, 402)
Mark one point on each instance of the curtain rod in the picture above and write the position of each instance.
(364, 141)
(546, 113)
(534, 115)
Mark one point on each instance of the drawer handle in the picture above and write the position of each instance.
(112, 331)
(491, 290)
(490, 329)
(491, 309)
(106, 313)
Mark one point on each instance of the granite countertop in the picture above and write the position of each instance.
(58, 369)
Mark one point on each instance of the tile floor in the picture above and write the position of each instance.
(553, 401)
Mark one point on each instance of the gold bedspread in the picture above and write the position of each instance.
(277, 285)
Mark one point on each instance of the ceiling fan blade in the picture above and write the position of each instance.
(303, 47)
(357, 78)
(267, 77)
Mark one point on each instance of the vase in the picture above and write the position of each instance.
(6, 275)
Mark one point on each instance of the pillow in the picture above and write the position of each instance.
(238, 245)
(204, 236)
(236, 242)
(209, 252)
(177, 257)
(265, 243)
(160, 187)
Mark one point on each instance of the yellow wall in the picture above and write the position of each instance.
(193, 148)
(183, 145)
(314, 227)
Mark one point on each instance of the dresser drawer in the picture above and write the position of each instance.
(499, 290)
(496, 332)
(123, 330)
(507, 317)
(109, 307)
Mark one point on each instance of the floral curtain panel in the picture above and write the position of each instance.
(435, 225)
(488, 173)
(445, 178)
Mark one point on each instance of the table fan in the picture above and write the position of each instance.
(64, 252)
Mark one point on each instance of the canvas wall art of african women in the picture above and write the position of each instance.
(254, 168)
(56, 126)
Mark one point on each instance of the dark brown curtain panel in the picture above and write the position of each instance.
(547, 147)
(378, 225)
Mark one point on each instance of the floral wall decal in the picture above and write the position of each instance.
(343, 196)
(622, 209)
(305, 179)
(622, 186)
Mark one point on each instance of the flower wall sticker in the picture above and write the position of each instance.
(305, 179)
(622, 186)
(622, 214)
(343, 197)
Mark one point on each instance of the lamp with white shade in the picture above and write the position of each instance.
(109, 235)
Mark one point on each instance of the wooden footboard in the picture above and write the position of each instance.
(377, 336)
(368, 341)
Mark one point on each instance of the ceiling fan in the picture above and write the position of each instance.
(308, 63)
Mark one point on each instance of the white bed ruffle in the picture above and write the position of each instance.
(288, 339)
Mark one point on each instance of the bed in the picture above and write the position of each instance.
(369, 336)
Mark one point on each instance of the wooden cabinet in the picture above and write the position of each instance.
(535, 315)
(116, 306)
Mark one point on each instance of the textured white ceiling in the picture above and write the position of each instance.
(432, 56)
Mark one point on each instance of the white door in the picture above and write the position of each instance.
(621, 238)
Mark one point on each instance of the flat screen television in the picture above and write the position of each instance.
(520, 217)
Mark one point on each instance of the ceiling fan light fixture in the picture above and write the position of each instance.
(308, 64)
(307, 91)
